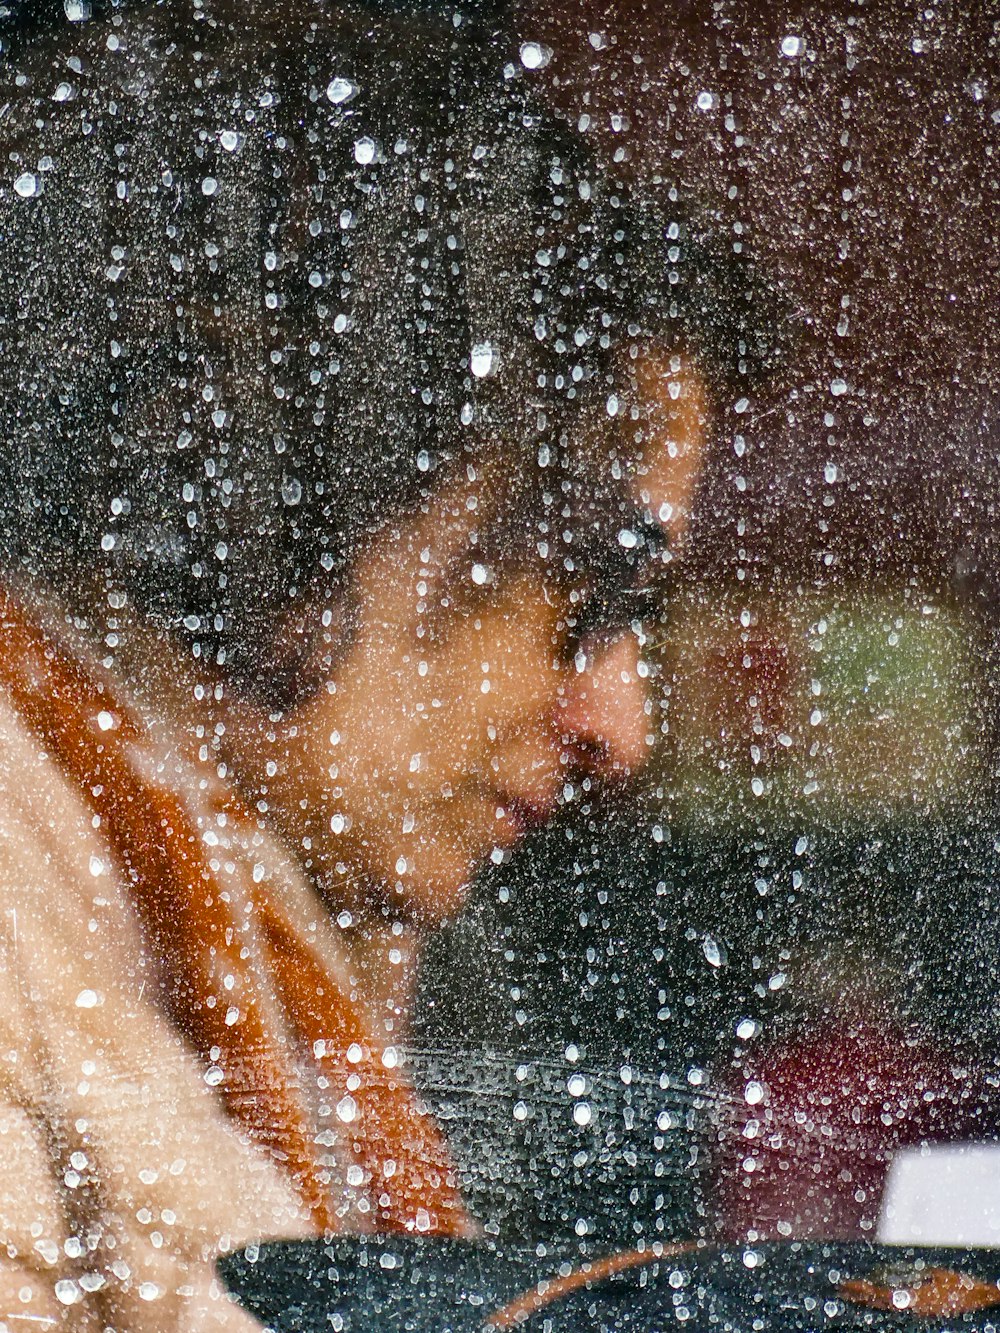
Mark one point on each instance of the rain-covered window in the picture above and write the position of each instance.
(498, 666)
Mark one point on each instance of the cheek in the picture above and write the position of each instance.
(529, 763)
(489, 677)
(439, 713)
(520, 673)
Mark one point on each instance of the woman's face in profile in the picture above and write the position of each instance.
(460, 713)
(464, 704)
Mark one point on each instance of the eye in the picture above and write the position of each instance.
(602, 618)
(629, 582)
(652, 541)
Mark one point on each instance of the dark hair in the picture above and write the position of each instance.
(264, 275)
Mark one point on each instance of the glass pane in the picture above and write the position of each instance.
(498, 677)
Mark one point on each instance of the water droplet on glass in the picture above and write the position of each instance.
(230, 140)
(791, 46)
(209, 186)
(77, 11)
(339, 91)
(63, 92)
(705, 101)
(291, 490)
(582, 1113)
(481, 362)
(66, 1291)
(364, 151)
(534, 55)
(753, 1094)
(715, 953)
(27, 185)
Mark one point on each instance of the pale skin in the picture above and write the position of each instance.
(490, 761)
(456, 714)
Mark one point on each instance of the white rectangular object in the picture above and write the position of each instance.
(943, 1194)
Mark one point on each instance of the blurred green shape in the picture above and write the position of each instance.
(863, 708)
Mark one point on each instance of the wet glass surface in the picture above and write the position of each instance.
(499, 671)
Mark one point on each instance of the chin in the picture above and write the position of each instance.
(435, 902)
(439, 889)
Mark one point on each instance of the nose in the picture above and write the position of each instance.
(603, 719)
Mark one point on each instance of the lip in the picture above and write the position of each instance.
(522, 814)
